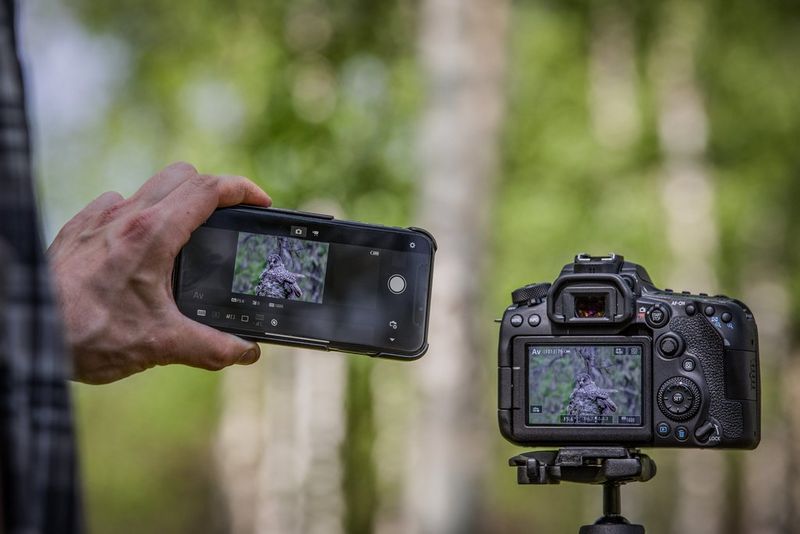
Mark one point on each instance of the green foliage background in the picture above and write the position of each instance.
(332, 114)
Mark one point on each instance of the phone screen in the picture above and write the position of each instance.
(303, 279)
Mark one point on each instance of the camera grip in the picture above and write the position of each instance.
(705, 343)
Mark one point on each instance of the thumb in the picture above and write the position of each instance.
(202, 346)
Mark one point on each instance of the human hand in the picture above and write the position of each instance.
(113, 274)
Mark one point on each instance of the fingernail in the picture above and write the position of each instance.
(249, 356)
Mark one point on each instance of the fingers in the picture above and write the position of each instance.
(95, 208)
(201, 346)
(83, 220)
(190, 204)
(174, 202)
(163, 183)
(103, 202)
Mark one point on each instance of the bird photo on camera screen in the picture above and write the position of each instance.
(276, 281)
(589, 399)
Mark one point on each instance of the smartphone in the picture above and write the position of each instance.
(309, 280)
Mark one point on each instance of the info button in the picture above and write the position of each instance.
(397, 284)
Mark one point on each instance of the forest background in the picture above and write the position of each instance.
(519, 133)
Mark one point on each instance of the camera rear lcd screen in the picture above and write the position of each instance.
(597, 385)
(268, 274)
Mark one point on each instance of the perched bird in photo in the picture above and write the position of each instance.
(276, 281)
(589, 399)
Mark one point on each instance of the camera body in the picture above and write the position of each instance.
(603, 357)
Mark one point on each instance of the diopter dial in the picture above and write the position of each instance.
(679, 398)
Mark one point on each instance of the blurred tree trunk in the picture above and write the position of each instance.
(278, 447)
(612, 77)
(769, 493)
(688, 200)
(463, 54)
(303, 427)
(238, 445)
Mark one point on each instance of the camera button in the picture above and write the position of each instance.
(534, 320)
(709, 310)
(679, 398)
(670, 345)
(690, 309)
(397, 284)
(726, 317)
(688, 365)
(516, 320)
(657, 316)
(663, 429)
(682, 433)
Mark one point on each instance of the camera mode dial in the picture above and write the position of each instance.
(679, 398)
(529, 293)
(657, 316)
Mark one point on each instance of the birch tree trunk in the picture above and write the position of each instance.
(688, 199)
(616, 121)
(463, 54)
(237, 450)
(278, 448)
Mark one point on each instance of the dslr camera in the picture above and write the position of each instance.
(603, 357)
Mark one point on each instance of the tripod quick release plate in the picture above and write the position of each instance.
(589, 465)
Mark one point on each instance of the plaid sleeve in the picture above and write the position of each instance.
(38, 477)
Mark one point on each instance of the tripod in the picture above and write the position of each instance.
(609, 466)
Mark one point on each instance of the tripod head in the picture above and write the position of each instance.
(609, 466)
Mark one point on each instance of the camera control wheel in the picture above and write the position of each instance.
(529, 293)
(679, 398)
